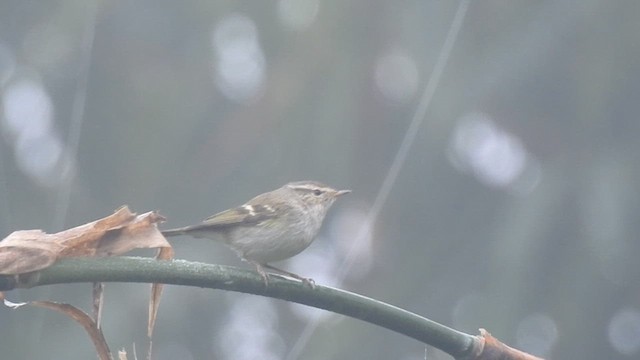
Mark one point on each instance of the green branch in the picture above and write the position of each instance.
(178, 272)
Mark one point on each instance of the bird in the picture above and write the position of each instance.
(270, 227)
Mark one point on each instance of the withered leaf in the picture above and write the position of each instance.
(89, 325)
(31, 250)
(164, 253)
(25, 251)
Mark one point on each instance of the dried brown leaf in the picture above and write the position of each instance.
(119, 233)
(79, 316)
(164, 253)
(98, 298)
(140, 233)
(85, 240)
(26, 251)
(31, 250)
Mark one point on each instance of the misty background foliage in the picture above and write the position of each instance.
(516, 209)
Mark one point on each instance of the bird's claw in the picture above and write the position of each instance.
(309, 281)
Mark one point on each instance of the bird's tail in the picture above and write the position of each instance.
(174, 232)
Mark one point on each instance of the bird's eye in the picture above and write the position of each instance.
(317, 192)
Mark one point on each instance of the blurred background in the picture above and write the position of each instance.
(515, 209)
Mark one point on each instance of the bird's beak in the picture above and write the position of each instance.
(342, 192)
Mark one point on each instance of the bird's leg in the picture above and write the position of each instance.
(260, 270)
(307, 281)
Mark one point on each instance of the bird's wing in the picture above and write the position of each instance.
(245, 214)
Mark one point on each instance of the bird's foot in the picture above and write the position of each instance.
(307, 281)
(263, 274)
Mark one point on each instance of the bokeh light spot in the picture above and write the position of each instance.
(28, 110)
(492, 155)
(624, 331)
(396, 76)
(250, 331)
(239, 59)
(38, 156)
(28, 125)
